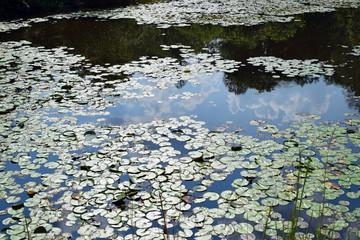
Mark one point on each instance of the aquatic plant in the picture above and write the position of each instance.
(292, 68)
(138, 174)
(184, 12)
(61, 178)
(355, 51)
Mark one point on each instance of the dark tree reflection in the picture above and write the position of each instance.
(328, 37)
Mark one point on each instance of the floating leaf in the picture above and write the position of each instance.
(143, 223)
(229, 195)
(240, 182)
(313, 213)
(287, 196)
(244, 228)
(15, 230)
(270, 202)
(212, 196)
(31, 202)
(223, 229)
(352, 195)
(13, 199)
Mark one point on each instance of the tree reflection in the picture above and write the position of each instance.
(328, 37)
(322, 36)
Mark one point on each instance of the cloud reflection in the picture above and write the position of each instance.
(162, 106)
(285, 103)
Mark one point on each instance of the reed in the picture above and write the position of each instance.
(301, 181)
(166, 231)
(27, 229)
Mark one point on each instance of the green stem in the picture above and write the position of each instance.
(324, 192)
(27, 229)
(348, 234)
(164, 216)
(277, 233)
(303, 187)
(332, 230)
(267, 221)
(308, 228)
(294, 215)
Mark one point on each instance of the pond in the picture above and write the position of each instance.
(182, 120)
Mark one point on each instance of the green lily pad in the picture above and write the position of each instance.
(212, 196)
(143, 223)
(313, 213)
(287, 196)
(13, 199)
(352, 195)
(218, 176)
(15, 230)
(229, 195)
(223, 229)
(338, 225)
(249, 165)
(270, 202)
(31, 202)
(243, 228)
(240, 182)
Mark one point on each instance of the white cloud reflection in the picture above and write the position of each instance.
(160, 106)
(285, 103)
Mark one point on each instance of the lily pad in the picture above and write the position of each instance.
(243, 228)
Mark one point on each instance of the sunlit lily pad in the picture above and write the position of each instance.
(240, 182)
(143, 223)
(287, 196)
(223, 229)
(352, 195)
(244, 228)
(13, 199)
(15, 230)
(218, 176)
(271, 202)
(249, 165)
(229, 195)
(212, 196)
(31, 202)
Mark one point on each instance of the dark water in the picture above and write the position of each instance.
(241, 96)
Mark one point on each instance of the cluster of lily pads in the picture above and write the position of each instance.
(55, 80)
(167, 177)
(7, 26)
(225, 13)
(176, 177)
(293, 67)
(184, 12)
(162, 73)
(355, 51)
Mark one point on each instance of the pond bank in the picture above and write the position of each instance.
(13, 9)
